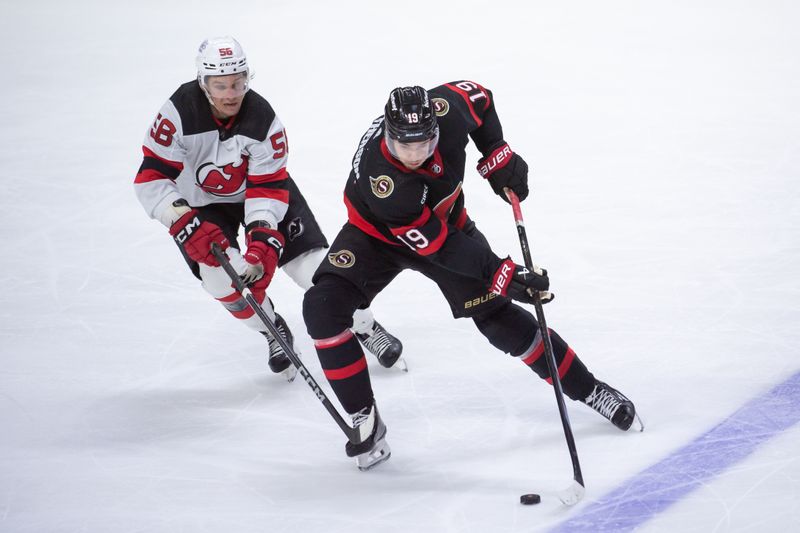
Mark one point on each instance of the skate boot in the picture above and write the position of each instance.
(373, 449)
(279, 362)
(383, 345)
(613, 405)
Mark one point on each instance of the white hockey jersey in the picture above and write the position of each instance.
(190, 154)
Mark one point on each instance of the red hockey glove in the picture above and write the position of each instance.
(503, 168)
(264, 248)
(195, 235)
(519, 283)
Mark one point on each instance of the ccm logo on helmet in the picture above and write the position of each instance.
(498, 159)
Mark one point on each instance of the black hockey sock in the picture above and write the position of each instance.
(345, 368)
(576, 380)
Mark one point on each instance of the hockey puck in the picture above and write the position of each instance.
(530, 499)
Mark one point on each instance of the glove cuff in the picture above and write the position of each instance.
(272, 238)
(496, 160)
(502, 277)
(188, 221)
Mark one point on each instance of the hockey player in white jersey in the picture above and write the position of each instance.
(214, 161)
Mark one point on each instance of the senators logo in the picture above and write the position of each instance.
(226, 181)
(342, 259)
(382, 186)
(440, 106)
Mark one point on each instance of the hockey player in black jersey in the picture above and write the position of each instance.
(406, 210)
(214, 161)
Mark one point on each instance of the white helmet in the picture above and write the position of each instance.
(220, 56)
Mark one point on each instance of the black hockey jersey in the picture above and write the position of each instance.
(423, 209)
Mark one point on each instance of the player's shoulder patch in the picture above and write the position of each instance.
(382, 186)
(440, 106)
(342, 259)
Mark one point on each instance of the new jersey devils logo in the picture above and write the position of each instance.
(226, 181)
(295, 228)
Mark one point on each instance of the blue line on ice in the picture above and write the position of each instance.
(655, 489)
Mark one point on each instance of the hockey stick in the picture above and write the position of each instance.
(352, 434)
(572, 494)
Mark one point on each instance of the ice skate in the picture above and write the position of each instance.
(279, 362)
(383, 345)
(373, 449)
(613, 405)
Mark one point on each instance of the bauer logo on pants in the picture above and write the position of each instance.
(342, 259)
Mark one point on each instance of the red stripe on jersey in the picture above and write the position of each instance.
(355, 218)
(258, 179)
(444, 206)
(420, 221)
(462, 219)
(336, 340)
(436, 243)
(281, 195)
(465, 95)
(346, 371)
(149, 175)
(174, 164)
(563, 368)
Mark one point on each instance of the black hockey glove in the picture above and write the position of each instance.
(503, 168)
(521, 284)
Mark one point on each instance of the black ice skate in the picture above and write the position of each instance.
(383, 345)
(373, 449)
(279, 362)
(613, 405)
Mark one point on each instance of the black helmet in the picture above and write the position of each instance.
(409, 115)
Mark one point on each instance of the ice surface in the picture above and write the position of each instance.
(665, 147)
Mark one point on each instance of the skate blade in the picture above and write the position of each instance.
(401, 364)
(290, 373)
(638, 419)
(373, 458)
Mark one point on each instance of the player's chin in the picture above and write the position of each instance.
(231, 109)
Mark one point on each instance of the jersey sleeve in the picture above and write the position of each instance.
(267, 193)
(477, 104)
(164, 155)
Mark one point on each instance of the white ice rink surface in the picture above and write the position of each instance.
(664, 143)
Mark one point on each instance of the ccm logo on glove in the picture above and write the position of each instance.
(186, 232)
(195, 235)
